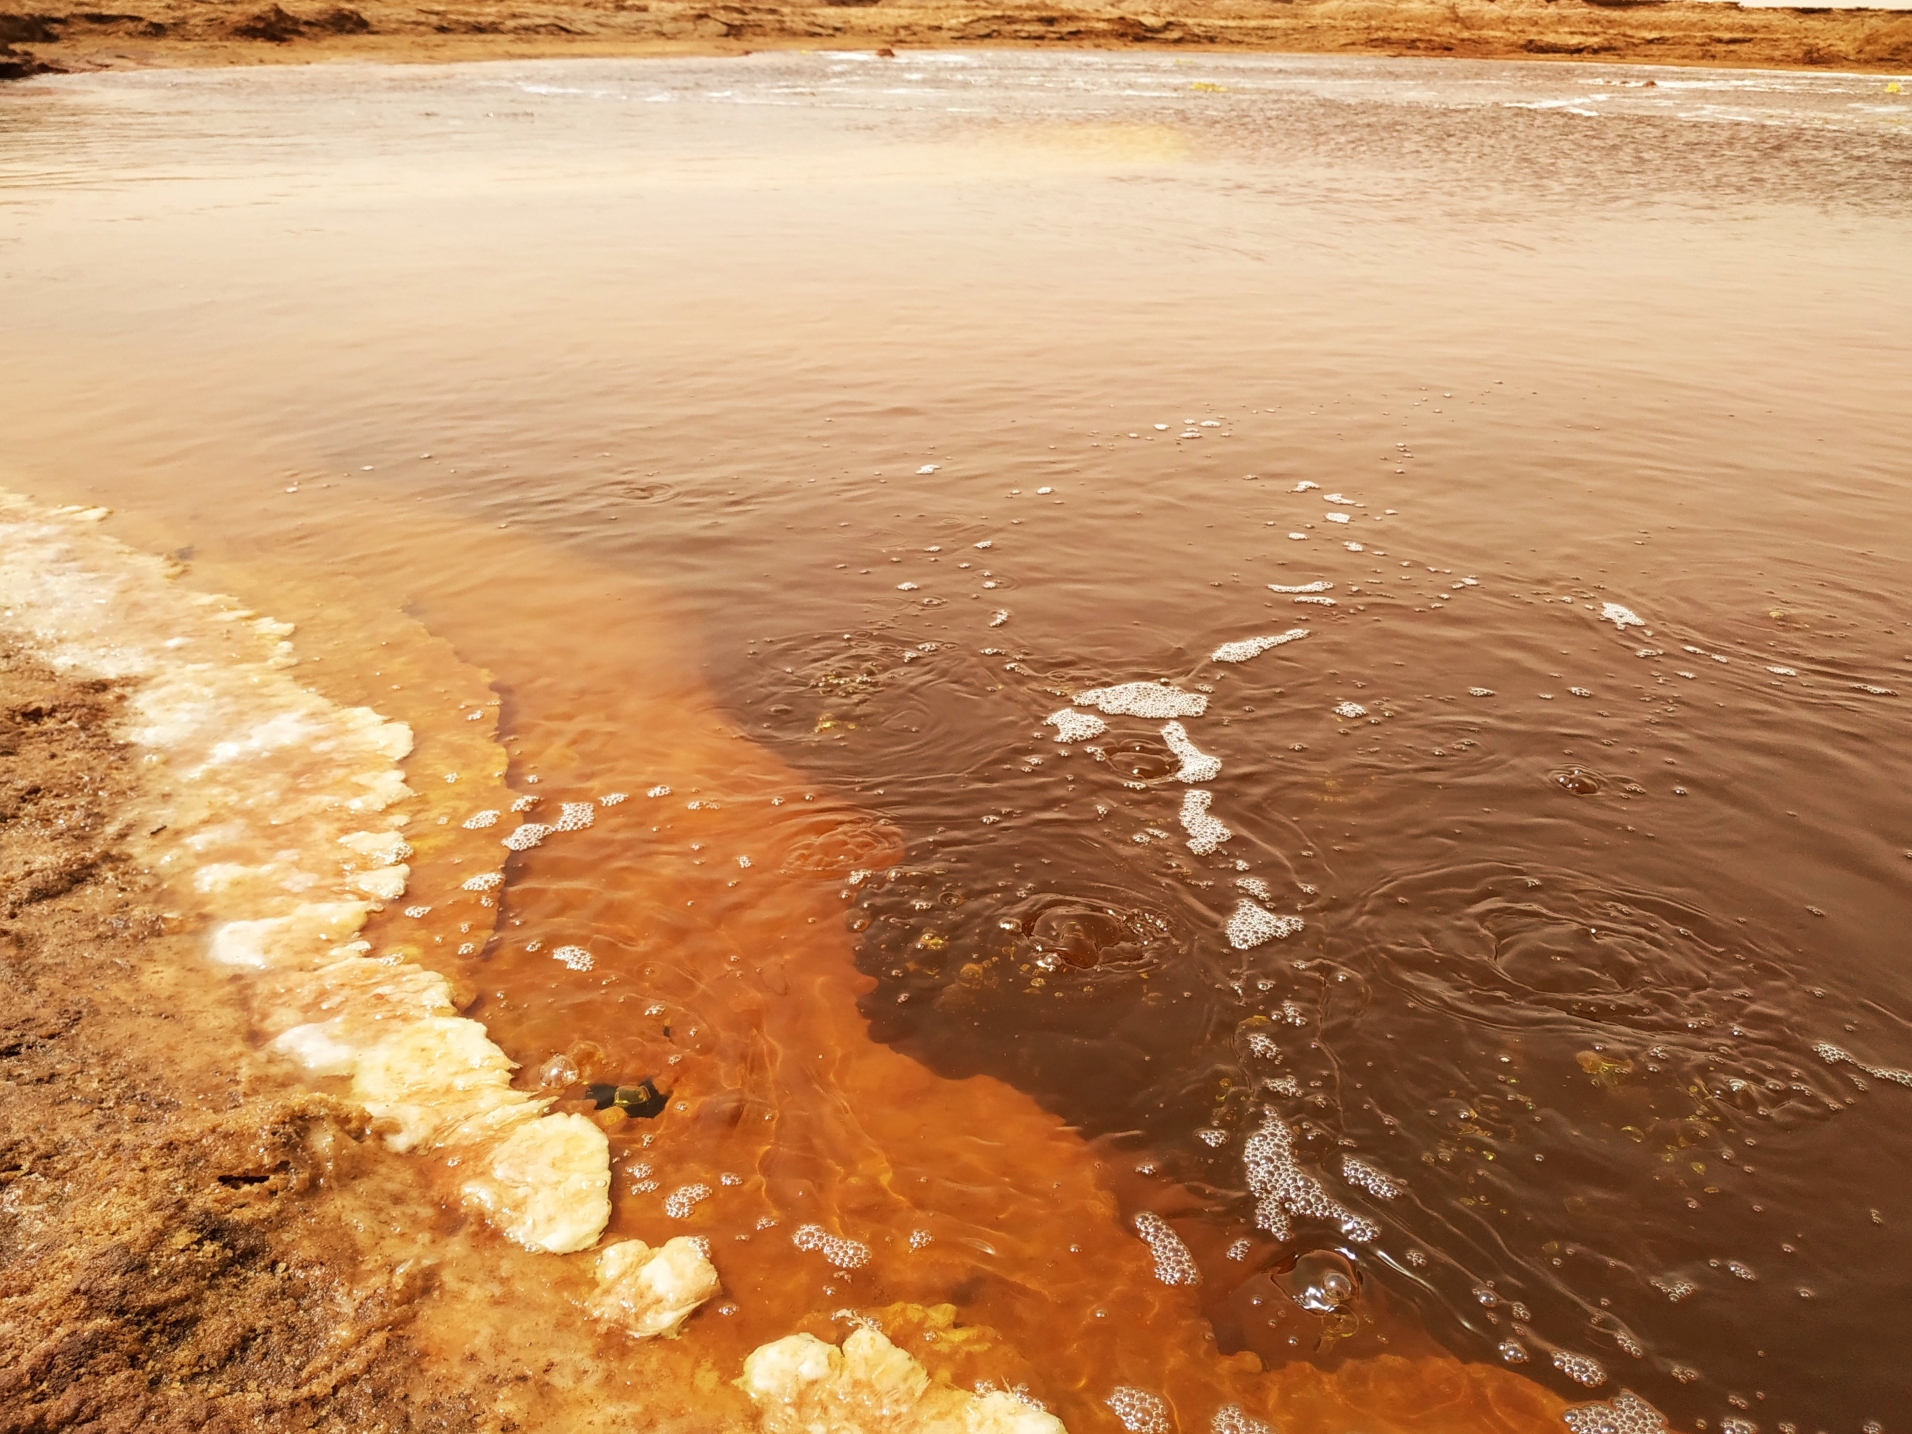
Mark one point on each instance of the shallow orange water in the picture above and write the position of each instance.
(680, 341)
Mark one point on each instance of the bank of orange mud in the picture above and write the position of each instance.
(226, 32)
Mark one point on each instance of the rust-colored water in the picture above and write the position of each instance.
(711, 359)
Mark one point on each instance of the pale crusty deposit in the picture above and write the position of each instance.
(278, 815)
(647, 1292)
(1680, 32)
(802, 1385)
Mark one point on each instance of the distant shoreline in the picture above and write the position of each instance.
(209, 33)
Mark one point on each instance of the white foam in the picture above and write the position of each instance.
(1144, 699)
(1247, 647)
(1317, 586)
(659, 791)
(684, 1199)
(477, 821)
(1173, 1263)
(1318, 601)
(844, 1254)
(1233, 1419)
(1138, 1411)
(1250, 926)
(999, 617)
(1480, 692)
(1074, 726)
(1833, 1055)
(611, 799)
(575, 957)
(906, 587)
(1282, 1188)
(1337, 517)
(1197, 765)
(574, 816)
(1625, 1413)
(1303, 486)
(1350, 709)
(1580, 1368)
(527, 836)
(1778, 671)
(1205, 833)
(484, 881)
(1368, 1177)
(1255, 887)
(1621, 617)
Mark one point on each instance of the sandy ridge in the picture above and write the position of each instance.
(227, 32)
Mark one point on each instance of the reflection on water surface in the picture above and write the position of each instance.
(1541, 1006)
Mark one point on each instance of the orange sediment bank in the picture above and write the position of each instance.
(835, 1183)
(1680, 32)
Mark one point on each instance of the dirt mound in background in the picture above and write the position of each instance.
(169, 1254)
(1680, 32)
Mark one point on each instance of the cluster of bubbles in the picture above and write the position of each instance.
(1173, 1263)
(1282, 1188)
(842, 1253)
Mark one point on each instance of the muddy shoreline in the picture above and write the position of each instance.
(176, 1250)
(166, 33)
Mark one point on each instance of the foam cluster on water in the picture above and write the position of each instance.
(842, 1253)
(1144, 699)
(1074, 726)
(803, 1385)
(1580, 1368)
(1834, 1055)
(1205, 832)
(1139, 1411)
(574, 816)
(1233, 1419)
(574, 957)
(1247, 647)
(1197, 765)
(1621, 617)
(1368, 1177)
(1250, 925)
(1173, 1263)
(1282, 1188)
(255, 785)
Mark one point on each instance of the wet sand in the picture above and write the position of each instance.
(1672, 32)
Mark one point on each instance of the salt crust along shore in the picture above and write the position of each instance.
(803, 1385)
(277, 812)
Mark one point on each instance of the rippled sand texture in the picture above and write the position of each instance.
(796, 441)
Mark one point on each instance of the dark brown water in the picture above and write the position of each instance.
(754, 392)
